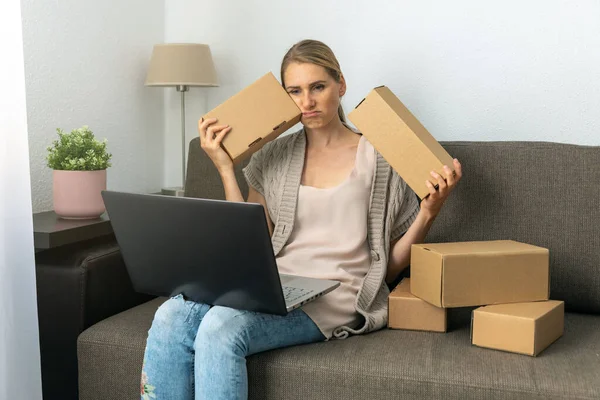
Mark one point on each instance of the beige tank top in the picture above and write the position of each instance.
(329, 241)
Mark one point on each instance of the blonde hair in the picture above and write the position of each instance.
(318, 53)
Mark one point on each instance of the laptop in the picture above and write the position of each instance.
(212, 251)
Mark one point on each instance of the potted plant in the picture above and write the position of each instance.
(79, 162)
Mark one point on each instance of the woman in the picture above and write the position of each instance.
(335, 210)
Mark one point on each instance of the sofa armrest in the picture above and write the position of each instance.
(84, 283)
(108, 289)
(77, 286)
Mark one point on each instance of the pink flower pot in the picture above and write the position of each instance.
(77, 193)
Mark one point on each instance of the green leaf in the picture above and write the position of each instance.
(78, 151)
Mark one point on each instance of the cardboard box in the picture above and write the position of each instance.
(405, 311)
(258, 114)
(479, 273)
(526, 328)
(400, 138)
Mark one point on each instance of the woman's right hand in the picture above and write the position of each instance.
(211, 136)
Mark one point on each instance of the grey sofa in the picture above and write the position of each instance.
(547, 194)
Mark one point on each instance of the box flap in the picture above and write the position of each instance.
(531, 310)
(404, 285)
(402, 289)
(483, 247)
(426, 274)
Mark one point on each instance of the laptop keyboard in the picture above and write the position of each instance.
(292, 294)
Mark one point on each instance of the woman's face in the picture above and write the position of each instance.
(315, 92)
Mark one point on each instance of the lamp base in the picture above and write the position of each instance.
(172, 191)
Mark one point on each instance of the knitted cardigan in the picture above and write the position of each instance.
(275, 172)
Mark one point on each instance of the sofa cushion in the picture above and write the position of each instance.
(380, 365)
(546, 194)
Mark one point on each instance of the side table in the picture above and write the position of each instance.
(81, 280)
(49, 230)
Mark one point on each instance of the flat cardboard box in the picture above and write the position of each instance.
(400, 138)
(257, 114)
(525, 328)
(479, 273)
(405, 311)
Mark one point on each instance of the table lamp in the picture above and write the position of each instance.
(181, 65)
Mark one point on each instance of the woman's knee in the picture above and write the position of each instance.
(170, 312)
(224, 327)
(177, 315)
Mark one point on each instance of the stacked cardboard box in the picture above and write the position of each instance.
(526, 328)
(407, 311)
(509, 279)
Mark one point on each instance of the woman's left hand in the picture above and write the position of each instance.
(432, 204)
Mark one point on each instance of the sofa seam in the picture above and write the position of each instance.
(87, 259)
(517, 144)
(103, 344)
(82, 291)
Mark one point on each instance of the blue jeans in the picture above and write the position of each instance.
(198, 351)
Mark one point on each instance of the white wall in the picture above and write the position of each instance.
(468, 69)
(20, 376)
(85, 64)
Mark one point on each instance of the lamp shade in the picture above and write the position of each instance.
(187, 64)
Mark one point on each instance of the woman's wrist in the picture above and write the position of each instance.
(226, 170)
(426, 217)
